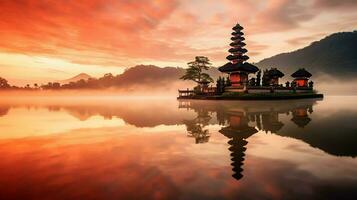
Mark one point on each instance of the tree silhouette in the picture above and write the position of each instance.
(195, 69)
(4, 84)
(197, 131)
(259, 78)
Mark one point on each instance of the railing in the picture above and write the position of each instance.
(186, 93)
(210, 91)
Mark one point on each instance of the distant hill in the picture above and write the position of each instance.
(150, 78)
(76, 78)
(141, 78)
(152, 75)
(335, 55)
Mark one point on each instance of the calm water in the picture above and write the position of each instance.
(135, 148)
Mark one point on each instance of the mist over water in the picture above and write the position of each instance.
(106, 147)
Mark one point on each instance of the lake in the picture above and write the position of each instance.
(161, 148)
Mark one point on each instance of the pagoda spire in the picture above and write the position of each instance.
(237, 149)
(237, 50)
(237, 67)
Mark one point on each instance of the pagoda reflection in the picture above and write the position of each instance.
(238, 131)
(241, 121)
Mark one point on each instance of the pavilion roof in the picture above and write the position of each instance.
(275, 72)
(301, 121)
(245, 67)
(300, 73)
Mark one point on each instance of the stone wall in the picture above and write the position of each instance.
(262, 89)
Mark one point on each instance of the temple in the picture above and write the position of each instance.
(301, 77)
(271, 77)
(246, 82)
(237, 67)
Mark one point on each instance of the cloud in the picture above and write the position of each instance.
(83, 28)
(335, 4)
(280, 15)
(126, 33)
(298, 41)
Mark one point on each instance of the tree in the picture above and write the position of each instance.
(195, 69)
(4, 83)
(259, 77)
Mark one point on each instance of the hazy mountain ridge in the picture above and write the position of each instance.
(151, 74)
(334, 55)
(76, 78)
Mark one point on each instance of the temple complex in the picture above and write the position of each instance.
(245, 80)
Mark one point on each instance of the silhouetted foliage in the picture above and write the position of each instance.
(195, 69)
(4, 84)
(197, 131)
(148, 75)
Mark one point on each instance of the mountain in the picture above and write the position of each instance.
(152, 75)
(335, 55)
(76, 78)
(152, 78)
(143, 79)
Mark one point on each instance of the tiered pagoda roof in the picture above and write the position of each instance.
(246, 67)
(301, 73)
(237, 58)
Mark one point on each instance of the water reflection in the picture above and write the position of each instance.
(246, 118)
(266, 116)
(106, 149)
(241, 122)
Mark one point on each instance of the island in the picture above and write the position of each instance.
(237, 85)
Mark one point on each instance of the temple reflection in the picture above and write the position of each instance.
(239, 122)
(238, 131)
(196, 127)
(301, 116)
(293, 118)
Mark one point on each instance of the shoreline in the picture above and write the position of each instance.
(248, 97)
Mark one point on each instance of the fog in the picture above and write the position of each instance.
(323, 84)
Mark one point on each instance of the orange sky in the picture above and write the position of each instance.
(42, 40)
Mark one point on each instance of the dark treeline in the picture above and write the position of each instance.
(108, 80)
(139, 76)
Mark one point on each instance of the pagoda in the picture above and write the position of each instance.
(301, 77)
(237, 67)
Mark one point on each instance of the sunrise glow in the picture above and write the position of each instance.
(53, 40)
